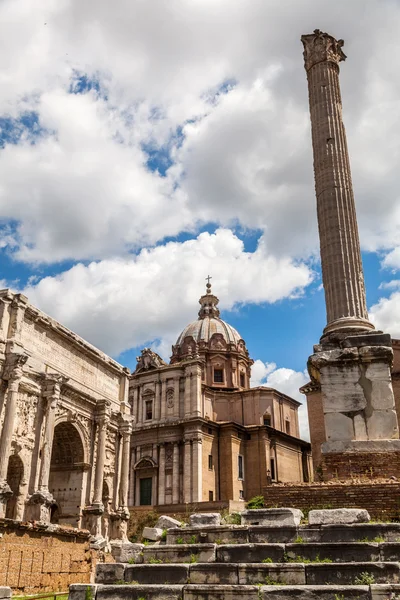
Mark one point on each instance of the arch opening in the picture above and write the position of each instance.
(66, 474)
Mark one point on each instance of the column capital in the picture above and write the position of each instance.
(103, 411)
(125, 424)
(321, 47)
(14, 366)
(51, 385)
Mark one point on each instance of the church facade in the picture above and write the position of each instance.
(82, 439)
(200, 432)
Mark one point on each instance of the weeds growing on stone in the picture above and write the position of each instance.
(365, 578)
(164, 535)
(180, 540)
(301, 559)
(155, 561)
(267, 560)
(270, 581)
(299, 540)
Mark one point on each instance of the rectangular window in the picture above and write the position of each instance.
(267, 420)
(218, 376)
(241, 495)
(287, 427)
(242, 380)
(210, 462)
(149, 410)
(211, 496)
(240, 467)
(273, 469)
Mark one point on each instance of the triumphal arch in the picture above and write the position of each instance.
(65, 425)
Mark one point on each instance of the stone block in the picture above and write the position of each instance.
(82, 591)
(250, 553)
(180, 553)
(382, 424)
(225, 534)
(165, 522)
(124, 552)
(338, 516)
(285, 574)
(136, 592)
(221, 592)
(314, 592)
(214, 574)
(109, 572)
(157, 574)
(202, 519)
(152, 533)
(359, 532)
(278, 535)
(338, 426)
(331, 574)
(390, 552)
(5, 592)
(337, 552)
(272, 517)
(384, 591)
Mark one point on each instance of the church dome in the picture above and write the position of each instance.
(204, 328)
(208, 331)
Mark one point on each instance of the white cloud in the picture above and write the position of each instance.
(246, 157)
(385, 314)
(121, 303)
(287, 381)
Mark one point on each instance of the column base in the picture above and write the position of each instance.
(119, 525)
(355, 459)
(92, 518)
(348, 324)
(5, 495)
(38, 506)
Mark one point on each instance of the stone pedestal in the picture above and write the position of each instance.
(38, 507)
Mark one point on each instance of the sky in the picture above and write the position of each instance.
(145, 145)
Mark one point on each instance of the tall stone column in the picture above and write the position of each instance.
(39, 503)
(175, 474)
(342, 272)
(352, 363)
(126, 432)
(13, 372)
(119, 528)
(94, 512)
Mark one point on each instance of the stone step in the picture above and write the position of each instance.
(238, 534)
(179, 553)
(339, 552)
(253, 574)
(229, 592)
(354, 573)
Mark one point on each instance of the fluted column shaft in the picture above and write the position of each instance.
(342, 271)
(126, 431)
(52, 394)
(161, 476)
(14, 375)
(103, 419)
(187, 471)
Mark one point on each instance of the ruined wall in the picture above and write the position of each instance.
(34, 560)
(380, 498)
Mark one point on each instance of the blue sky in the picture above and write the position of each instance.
(143, 148)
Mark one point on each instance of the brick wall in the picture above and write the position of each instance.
(34, 560)
(353, 465)
(380, 498)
